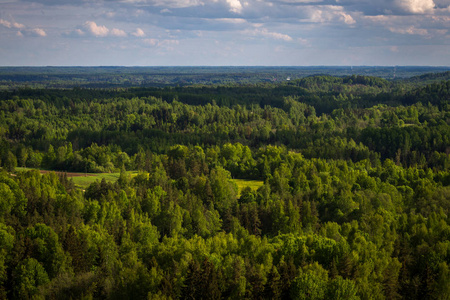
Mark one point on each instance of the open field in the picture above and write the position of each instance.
(83, 180)
(242, 183)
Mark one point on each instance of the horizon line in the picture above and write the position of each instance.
(223, 66)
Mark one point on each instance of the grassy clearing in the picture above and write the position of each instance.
(242, 183)
(83, 180)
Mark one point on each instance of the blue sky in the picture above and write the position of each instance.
(224, 32)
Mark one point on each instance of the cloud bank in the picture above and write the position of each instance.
(229, 31)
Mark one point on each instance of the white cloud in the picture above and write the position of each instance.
(302, 1)
(39, 32)
(378, 19)
(151, 42)
(11, 25)
(5, 23)
(324, 24)
(416, 6)
(79, 32)
(232, 20)
(118, 32)
(442, 19)
(167, 3)
(161, 43)
(276, 35)
(409, 30)
(235, 6)
(29, 32)
(303, 41)
(328, 14)
(18, 25)
(74, 33)
(99, 31)
(169, 42)
(91, 28)
(347, 19)
(138, 33)
(430, 26)
(266, 33)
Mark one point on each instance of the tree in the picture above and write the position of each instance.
(7, 200)
(272, 289)
(342, 289)
(7, 239)
(22, 156)
(201, 282)
(49, 158)
(12, 198)
(223, 189)
(311, 283)
(10, 162)
(192, 288)
(47, 249)
(28, 277)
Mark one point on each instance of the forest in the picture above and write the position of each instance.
(116, 76)
(353, 199)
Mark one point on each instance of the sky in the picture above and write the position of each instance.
(224, 32)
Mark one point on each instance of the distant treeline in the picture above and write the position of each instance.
(110, 77)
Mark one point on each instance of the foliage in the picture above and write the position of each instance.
(295, 200)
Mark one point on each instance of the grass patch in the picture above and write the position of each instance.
(242, 183)
(83, 180)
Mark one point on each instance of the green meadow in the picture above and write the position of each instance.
(242, 183)
(83, 180)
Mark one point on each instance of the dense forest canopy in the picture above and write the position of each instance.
(109, 77)
(353, 199)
